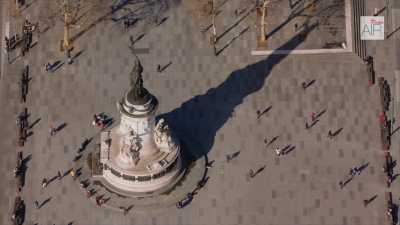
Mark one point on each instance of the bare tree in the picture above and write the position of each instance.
(214, 31)
(264, 5)
(133, 10)
(69, 11)
(74, 14)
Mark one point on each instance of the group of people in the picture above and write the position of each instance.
(18, 212)
(18, 171)
(184, 202)
(385, 94)
(352, 172)
(24, 82)
(100, 200)
(23, 40)
(385, 126)
(388, 168)
(369, 61)
(390, 208)
(23, 126)
(100, 120)
(27, 37)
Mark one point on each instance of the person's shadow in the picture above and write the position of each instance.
(197, 120)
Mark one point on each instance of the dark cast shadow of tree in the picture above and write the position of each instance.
(197, 120)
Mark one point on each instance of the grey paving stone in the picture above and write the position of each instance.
(99, 76)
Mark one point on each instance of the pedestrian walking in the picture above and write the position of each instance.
(89, 193)
(313, 116)
(126, 210)
(384, 168)
(69, 57)
(366, 201)
(99, 201)
(357, 170)
(304, 85)
(72, 173)
(250, 175)
(82, 184)
(16, 169)
(382, 118)
(47, 67)
(52, 130)
(44, 183)
(352, 172)
(330, 135)
(258, 114)
(36, 204)
(77, 157)
(159, 68)
(388, 180)
(278, 151)
(96, 120)
(341, 184)
(307, 125)
(369, 60)
(8, 45)
(59, 176)
(30, 39)
(228, 158)
(389, 211)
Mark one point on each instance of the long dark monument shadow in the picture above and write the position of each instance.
(198, 120)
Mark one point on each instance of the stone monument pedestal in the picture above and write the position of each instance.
(138, 156)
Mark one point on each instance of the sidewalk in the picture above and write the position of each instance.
(389, 69)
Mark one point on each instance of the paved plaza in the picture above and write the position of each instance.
(211, 102)
(328, 16)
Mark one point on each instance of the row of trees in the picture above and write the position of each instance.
(261, 5)
(73, 14)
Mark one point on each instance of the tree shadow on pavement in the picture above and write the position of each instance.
(198, 120)
(232, 40)
(290, 18)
